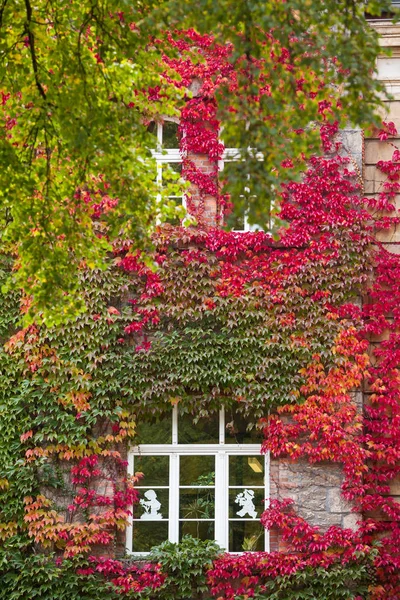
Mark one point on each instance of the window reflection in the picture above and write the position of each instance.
(246, 470)
(204, 431)
(197, 470)
(237, 430)
(148, 534)
(246, 536)
(156, 430)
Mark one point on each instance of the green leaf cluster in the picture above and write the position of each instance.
(243, 351)
(337, 582)
(38, 577)
(186, 565)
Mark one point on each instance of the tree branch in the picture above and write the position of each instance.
(2, 8)
(31, 39)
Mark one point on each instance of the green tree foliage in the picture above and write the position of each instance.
(324, 41)
(75, 80)
(73, 136)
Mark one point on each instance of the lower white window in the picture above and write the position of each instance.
(207, 480)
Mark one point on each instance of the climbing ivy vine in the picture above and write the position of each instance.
(272, 326)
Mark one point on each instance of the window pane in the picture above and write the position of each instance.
(246, 470)
(167, 177)
(197, 503)
(154, 468)
(246, 503)
(154, 431)
(153, 505)
(235, 222)
(236, 431)
(170, 135)
(152, 128)
(148, 534)
(204, 431)
(176, 167)
(175, 210)
(203, 530)
(197, 470)
(246, 536)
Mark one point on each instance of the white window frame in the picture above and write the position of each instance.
(222, 452)
(164, 156)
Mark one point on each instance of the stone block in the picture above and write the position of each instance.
(352, 145)
(391, 112)
(335, 503)
(393, 247)
(349, 521)
(369, 186)
(373, 174)
(375, 150)
(395, 486)
(320, 519)
(357, 398)
(388, 32)
(315, 489)
(389, 235)
(195, 86)
(388, 68)
(379, 338)
(313, 498)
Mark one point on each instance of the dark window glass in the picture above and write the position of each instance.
(154, 431)
(170, 135)
(147, 534)
(203, 530)
(246, 470)
(235, 222)
(176, 167)
(204, 431)
(246, 536)
(237, 429)
(197, 470)
(197, 503)
(155, 470)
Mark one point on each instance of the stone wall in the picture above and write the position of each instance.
(388, 71)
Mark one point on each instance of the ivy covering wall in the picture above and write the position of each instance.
(272, 327)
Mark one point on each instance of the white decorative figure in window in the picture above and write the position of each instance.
(245, 500)
(151, 506)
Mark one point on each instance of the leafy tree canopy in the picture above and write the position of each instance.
(80, 82)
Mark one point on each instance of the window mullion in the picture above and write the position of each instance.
(129, 527)
(221, 499)
(173, 528)
(159, 135)
(222, 426)
(174, 425)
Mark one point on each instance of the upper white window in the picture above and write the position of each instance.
(207, 480)
(168, 156)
